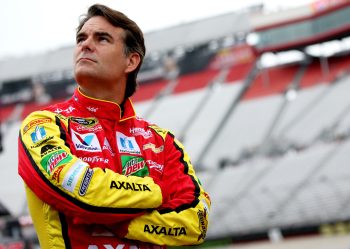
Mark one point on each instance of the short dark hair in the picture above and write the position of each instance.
(133, 40)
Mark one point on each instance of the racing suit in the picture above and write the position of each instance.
(97, 176)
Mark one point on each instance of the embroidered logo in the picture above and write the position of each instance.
(86, 142)
(127, 144)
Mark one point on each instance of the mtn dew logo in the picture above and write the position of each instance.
(135, 166)
(55, 159)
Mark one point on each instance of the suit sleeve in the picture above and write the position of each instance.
(71, 186)
(183, 217)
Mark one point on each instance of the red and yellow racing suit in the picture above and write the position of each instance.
(97, 176)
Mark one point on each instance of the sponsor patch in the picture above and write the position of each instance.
(202, 223)
(107, 146)
(92, 108)
(160, 230)
(47, 149)
(35, 122)
(93, 129)
(67, 111)
(129, 186)
(156, 166)
(71, 178)
(127, 144)
(135, 166)
(50, 161)
(85, 182)
(153, 148)
(94, 159)
(56, 174)
(41, 142)
(38, 134)
(139, 131)
(88, 122)
(86, 142)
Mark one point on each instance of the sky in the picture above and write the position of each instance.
(30, 27)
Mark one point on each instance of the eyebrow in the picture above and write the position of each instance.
(101, 33)
(97, 33)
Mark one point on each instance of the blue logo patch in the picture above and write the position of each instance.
(127, 144)
(38, 134)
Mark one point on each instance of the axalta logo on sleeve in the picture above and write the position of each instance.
(86, 142)
(127, 144)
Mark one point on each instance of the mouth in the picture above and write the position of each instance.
(84, 59)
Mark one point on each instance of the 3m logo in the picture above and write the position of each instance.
(86, 142)
(38, 134)
(127, 144)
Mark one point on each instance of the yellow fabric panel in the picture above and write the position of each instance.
(160, 131)
(42, 214)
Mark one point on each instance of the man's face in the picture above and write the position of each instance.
(99, 54)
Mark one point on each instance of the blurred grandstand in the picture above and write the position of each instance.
(260, 100)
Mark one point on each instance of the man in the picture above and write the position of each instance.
(96, 175)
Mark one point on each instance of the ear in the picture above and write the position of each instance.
(132, 63)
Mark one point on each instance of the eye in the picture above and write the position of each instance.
(80, 39)
(103, 38)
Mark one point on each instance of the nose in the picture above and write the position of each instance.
(87, 44)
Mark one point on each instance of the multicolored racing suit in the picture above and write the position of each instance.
(97, 176)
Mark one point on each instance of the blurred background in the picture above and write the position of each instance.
(259, 94)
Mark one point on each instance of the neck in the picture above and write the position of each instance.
(115, 95)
